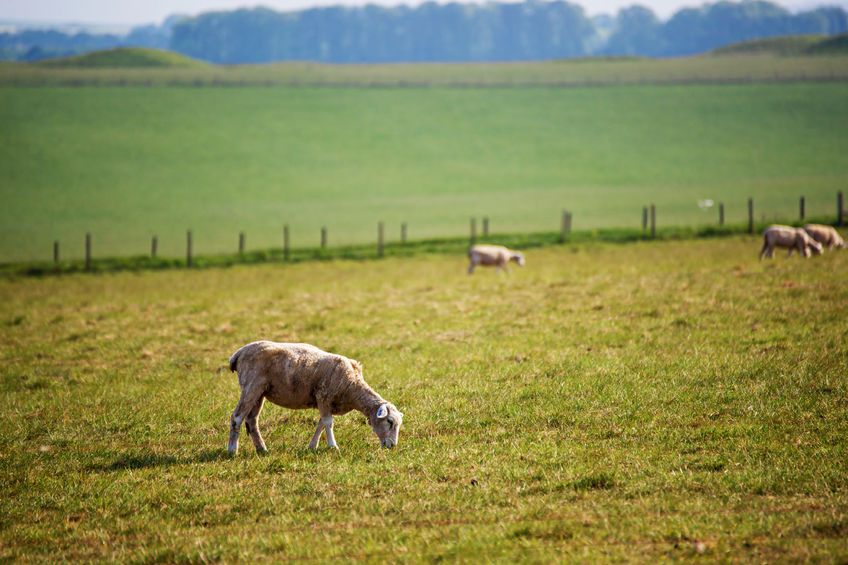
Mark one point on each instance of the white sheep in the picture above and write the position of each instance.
(492, 256)
(299, 375)
(826, 235)
(790, 238)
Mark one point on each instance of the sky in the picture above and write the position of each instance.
(123, 12)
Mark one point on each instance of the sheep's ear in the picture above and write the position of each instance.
(382, 412)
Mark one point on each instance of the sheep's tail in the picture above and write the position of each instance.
(235, 357)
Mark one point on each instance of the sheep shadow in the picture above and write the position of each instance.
(135, 461)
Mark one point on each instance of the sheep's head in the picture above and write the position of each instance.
(386, 423)
(518, 258)
(815, 247)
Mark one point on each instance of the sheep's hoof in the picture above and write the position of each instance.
(262, 452)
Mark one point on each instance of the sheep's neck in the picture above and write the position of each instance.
(367, 401)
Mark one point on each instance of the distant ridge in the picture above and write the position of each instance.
(124, 57)
(837, 45)
(789, 45)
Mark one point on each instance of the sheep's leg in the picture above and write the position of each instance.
(328, 425)
(471, 266)
(252, 425)
(325, 423)
(317, 435)
(249, 398)
(763, 250)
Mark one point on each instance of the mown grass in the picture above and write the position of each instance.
(654, 400)
(129, 163)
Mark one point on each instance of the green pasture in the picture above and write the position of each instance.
(649, 401)
(129, 163)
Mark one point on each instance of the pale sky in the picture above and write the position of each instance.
(120, 12)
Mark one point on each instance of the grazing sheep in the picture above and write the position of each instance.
(788, 238)
(826, 235)
(299, 375)
(492, 256)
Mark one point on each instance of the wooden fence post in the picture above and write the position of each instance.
(323, 238)
(188, 249)
(241, 243)
(403, 233)
(801, 208)
(286, 242)
(56, 252)
(473, 230)
(840, 209)
(87, 251)
(721, 213)
(380, 239)
(154, 246)
(750, 215)
(644, 219)
(563, 226)
(485, 226)
(653, 221)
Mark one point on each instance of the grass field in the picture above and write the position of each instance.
(737, 66)
(128, 163)
(647, 401)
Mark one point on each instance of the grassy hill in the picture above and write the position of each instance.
(789, 45)
(123, 58)
(650, 402)
(128, 163)
(832, 46)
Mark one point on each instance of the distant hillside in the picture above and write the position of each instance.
(123, 57)
(459, 31)
(833, 46)
(789, 45)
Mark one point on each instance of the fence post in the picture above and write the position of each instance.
(56, 252)
(721, 213)
(403, 233)
(473, 230)
(188, 249)
(485, 226)
(154, 246)
(750, 215)
(380, 239)
(563, 226)
(644, 219)
(653, 221)
(87, 251)
(286, 242)
(801, 208)
(323, 238)
(840, 209)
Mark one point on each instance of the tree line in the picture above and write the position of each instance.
(530, 30)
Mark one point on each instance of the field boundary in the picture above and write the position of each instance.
(378, 250)
(412, 84)
(569, 73)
